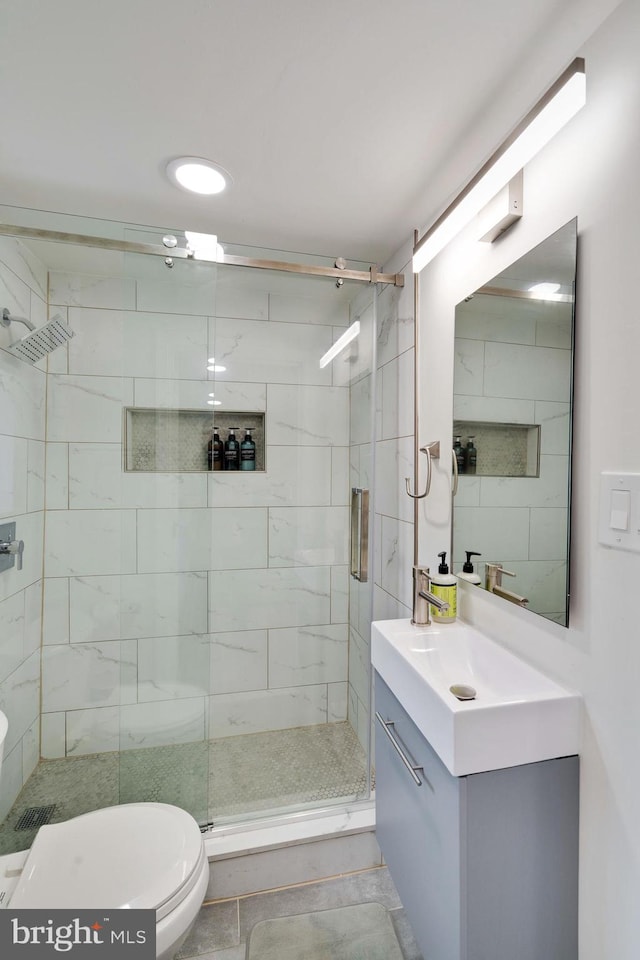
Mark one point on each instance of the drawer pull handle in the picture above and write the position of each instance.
(411, 767)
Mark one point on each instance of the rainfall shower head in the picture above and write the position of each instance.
(38, 343)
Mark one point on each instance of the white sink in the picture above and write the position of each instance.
(518, 714)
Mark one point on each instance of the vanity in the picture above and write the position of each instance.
(476, 799)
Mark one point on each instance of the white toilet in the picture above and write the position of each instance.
(137, 855)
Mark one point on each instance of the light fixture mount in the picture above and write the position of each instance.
(198, 175)
(553, 110)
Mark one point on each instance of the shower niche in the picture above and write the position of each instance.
(161, 440)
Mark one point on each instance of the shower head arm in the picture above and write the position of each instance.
(7, 320)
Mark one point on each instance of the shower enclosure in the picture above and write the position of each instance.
(204, 641)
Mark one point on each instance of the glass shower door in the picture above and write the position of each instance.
(285, 718)
(163, 593)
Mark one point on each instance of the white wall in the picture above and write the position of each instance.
(589, 170)
(23, 289)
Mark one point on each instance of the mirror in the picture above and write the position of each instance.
(512, 396)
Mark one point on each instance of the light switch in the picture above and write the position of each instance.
(620, 507)
(619, 513)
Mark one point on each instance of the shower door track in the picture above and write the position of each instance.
(181, 253)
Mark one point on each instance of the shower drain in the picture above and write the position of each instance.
(35, 817)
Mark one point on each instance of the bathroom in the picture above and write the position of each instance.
(589, 172)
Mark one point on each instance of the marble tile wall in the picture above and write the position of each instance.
(179, 606)
(23, 289)
(514, 367)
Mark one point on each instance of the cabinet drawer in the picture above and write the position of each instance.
(418, 828)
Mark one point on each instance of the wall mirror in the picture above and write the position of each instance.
(512, 425)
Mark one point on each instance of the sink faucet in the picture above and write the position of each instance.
(423, 598)
(493, 583)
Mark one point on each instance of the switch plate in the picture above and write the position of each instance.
(619, 511)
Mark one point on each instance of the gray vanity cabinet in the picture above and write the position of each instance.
(486, 865)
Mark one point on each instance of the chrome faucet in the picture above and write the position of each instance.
(494, 573)
(423, 598)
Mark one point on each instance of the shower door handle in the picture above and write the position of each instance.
(359, 534)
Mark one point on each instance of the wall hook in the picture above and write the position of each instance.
(432, 452)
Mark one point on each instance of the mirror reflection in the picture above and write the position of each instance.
(512, 429)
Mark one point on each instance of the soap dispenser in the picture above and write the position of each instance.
(468, 573)
(445, 586)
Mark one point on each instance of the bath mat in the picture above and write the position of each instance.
(360, 932)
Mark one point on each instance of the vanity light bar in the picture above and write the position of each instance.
(558, 105)
(350, 334)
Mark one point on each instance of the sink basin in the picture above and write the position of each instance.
(518, 715)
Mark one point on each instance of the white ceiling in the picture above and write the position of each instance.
(345, 125)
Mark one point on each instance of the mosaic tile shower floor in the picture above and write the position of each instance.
(230, 777)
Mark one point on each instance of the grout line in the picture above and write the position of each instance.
(294, 886)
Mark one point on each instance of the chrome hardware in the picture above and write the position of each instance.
(423, 598)
(454, 481)
(11, 550)
(432, 452)
(493, 582)
(411, 767)
(360, 534)
(169, 241)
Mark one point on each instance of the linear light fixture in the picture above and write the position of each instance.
(350, 334)
(554, 109)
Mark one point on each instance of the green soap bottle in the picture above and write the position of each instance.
(247, 451)
(445, 586)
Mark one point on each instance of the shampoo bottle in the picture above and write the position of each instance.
(247, 451)
(231, 451)
(468, 573)
(459, 454)
(445, 586)
(215, 451)
(470, 456)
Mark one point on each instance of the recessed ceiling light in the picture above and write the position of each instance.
(197, 175)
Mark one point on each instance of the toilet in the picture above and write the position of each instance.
(132, 856)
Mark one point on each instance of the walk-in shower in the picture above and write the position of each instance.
(203, 641)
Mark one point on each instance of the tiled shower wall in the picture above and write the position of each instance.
(513, 365)
(23, 289)
(179, 606)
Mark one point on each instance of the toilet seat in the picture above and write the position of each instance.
(137, 855)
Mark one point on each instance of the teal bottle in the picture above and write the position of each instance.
(247, 451)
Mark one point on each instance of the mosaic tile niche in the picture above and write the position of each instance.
(503, 449)
(176, 441)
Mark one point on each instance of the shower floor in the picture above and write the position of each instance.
(230, 778)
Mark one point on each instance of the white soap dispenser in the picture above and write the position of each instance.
(445, 586)
(468, 573)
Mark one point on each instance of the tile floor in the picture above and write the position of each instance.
(221, 930)
(224, 779)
